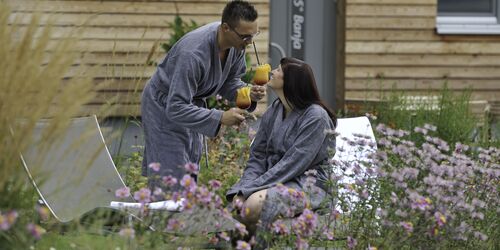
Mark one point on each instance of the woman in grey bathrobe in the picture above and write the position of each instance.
(292, 139)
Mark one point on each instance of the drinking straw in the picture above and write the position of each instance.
(256, 54)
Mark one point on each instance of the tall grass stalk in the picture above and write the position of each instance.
(32, 87)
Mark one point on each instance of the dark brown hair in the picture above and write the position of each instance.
(238, 10)
(299, 86)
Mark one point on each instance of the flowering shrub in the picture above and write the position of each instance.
(435, 194)
(428, 195)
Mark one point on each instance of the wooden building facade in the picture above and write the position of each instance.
(389, 44)
(118, 37)
(394, 45)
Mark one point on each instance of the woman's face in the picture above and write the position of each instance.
(276, 80)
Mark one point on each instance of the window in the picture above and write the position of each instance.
(468, 17)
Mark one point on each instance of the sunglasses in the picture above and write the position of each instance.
(245, 38)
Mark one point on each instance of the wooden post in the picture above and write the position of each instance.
(340, 53)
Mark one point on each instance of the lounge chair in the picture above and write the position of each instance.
(75, 174)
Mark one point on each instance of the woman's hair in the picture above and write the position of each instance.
(299, 86)
(238, 10)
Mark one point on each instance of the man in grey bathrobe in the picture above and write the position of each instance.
(207, 61)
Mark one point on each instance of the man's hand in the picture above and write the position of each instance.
(232, 117)
(257, 92)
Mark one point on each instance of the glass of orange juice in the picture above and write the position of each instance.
(261, 76)
(243, 100)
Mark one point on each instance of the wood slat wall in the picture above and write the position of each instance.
(115, 38)
(392, 44)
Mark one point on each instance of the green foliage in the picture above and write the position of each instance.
(448, 111)
(179, 28)
(227, 158)
(130, 168)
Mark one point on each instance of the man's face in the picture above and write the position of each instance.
(242, 35)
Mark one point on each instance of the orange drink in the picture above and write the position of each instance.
(243, 100)
(261, 76)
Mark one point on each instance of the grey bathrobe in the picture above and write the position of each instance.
(282, 151)
(173, 114)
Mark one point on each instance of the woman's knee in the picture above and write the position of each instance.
(253, 205)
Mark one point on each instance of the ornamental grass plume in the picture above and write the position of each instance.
(34, 84)
(32, 87)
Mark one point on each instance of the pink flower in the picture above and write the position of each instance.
(351, 242)
(329, 235)
(127, 232)
(204, 196)
(301, 243)
(158, 192)
(188, 183)
(242, 245)
(35, 230)
(191, 168)
(224, 236)
(122, 192)
(169, 180)
(215, 184)
(155, 166)
(407, 226)
(143, 195)
(43, 212)
(280, 228)
(440, 219)
(174, 225)
(7, 220)
(241, 228)
(422, 204)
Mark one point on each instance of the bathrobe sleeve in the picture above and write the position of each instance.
(180, 109)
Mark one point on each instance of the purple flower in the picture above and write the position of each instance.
(430, 127)
(169, 180)
(7, 220)
(481, 236)
(204, 196)
(127, 232)
(224, 236)
(215, 184)
(420, 130)
(122, 192)
(280, 228)
(241, 228)
(242, 245)
(43, 212)
(188, 183)
(407, 226)
(460, 148)
(155, 166)
(143, 195)
(351, 242)
(422, 204)
(329, 235)
(35, 230)
(158, 192)
(191, 168)
(301, 243)
(174, 225)
(440, 219)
